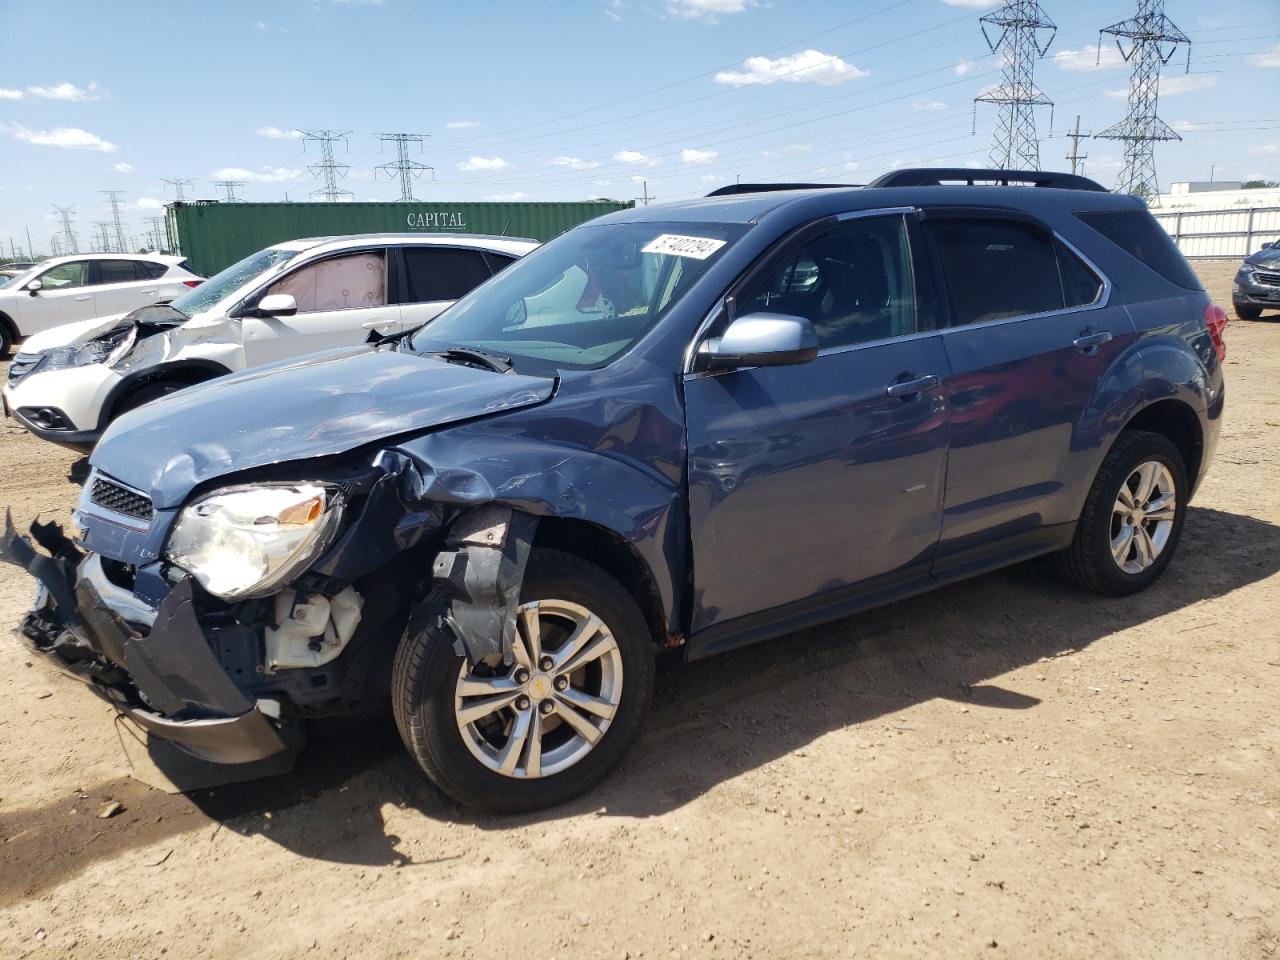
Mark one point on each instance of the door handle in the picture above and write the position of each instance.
(150, 293)
(376, 324)
(906, 389)
(1091, 341)
(84, 298)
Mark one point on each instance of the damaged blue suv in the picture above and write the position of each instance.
(679, 428)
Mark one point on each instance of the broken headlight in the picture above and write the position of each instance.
(96, 350)
(248, 541)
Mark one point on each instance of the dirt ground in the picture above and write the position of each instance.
(1004, 768)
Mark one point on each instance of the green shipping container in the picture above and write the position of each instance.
(213, 235)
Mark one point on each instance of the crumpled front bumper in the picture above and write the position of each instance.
(166, 680)
(1246, 292)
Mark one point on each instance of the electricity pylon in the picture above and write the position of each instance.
(328, 168)
(406, 168)
(1014, 145)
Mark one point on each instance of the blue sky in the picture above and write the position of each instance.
(577, 98)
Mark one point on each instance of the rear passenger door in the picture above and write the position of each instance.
(1029, 338)
(341, 299)
(120, 286)
(431, 278)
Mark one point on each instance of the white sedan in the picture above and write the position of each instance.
(302, 296)
(66, 289)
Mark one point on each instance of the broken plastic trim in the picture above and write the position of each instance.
(480, 572)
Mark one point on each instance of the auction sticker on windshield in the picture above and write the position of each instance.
(678, 246)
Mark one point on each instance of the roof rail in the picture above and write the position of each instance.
(735, 188)
(938, 176)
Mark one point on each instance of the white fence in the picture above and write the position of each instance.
(1221, 234)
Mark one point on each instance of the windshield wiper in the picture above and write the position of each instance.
(473, 358)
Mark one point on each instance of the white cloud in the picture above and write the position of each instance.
(690, 155)
(149, 203)
(7, 94)
(851, 166)
(574, 163)
(710, 178)
(263, 25)
(462, 124)
(70, 138)
(808, 66)
(928, 106)
(1268, 59)
(708, 10)
(278, 133)
(67, 91)
(964, 67)
(1086, 59)
(789, 150)
(506, 197)
(123, 168)
(635, 156)
(483, 163)
(263, 175)
(1265, 150)
(1170, 86)
(636, 178)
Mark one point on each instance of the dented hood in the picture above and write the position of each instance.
(70, 334)
(324, 405)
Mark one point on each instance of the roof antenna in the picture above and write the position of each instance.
(504, 227)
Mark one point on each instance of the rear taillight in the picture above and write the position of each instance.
(1215, 319)
(196, 283)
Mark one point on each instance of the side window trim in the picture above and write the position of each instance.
(953, 212)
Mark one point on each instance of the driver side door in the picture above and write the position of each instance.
(65, 296)
(813, 484)
(341, 299)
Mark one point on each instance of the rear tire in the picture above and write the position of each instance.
(1127, 535)
(435, 692)
(1247, 313)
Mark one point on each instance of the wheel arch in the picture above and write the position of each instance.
(10, 328)
(1176, 421)
(619, 559)
(186, 372)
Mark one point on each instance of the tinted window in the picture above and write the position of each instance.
(1137, 234)
(115, 271)
(442, 273)
(1079, 285)
(337, 283)
(64, 276)
(996, 269)
(498, 261)
(853, 283)
(148, 270)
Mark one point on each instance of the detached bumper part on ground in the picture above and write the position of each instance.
(167, 681)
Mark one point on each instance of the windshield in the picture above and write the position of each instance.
(229, 280)
(583, 299)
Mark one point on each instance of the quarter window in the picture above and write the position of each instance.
(853, 283)
(442, 273)
(64, 276)
(148, 270)
(337, 283)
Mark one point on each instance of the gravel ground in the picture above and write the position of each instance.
(1004, 768)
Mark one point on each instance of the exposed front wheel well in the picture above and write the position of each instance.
(1178, 423)
(134, 393)
(617, 558)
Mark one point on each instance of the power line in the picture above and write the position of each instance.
(329, 169)
(68, 235)
(104, 235)
(406, 168)
(113, 196)
(1075, 156)
(1153, 39)
(231, 186)
(177, 183)
(646, 198)
(1014, 145)
(157, 233)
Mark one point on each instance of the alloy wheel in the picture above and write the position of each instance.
(547, 710)
(1142, 517)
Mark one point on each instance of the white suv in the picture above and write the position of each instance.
(65, 289)
(294, 298)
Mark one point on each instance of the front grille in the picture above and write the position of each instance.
(24, 364)
(1270, 279)
(112, 496)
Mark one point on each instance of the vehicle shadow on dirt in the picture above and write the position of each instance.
(712, 720)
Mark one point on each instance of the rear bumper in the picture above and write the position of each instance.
(167, 680)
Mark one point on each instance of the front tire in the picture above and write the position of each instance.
(550, 726)
(1132, 519)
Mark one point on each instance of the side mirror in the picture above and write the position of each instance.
(762, 340)
(34, 287)
(277, 305)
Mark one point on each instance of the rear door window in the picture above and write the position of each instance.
(114, 271)
(337, 283)
(442, 273)
(996, 269)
